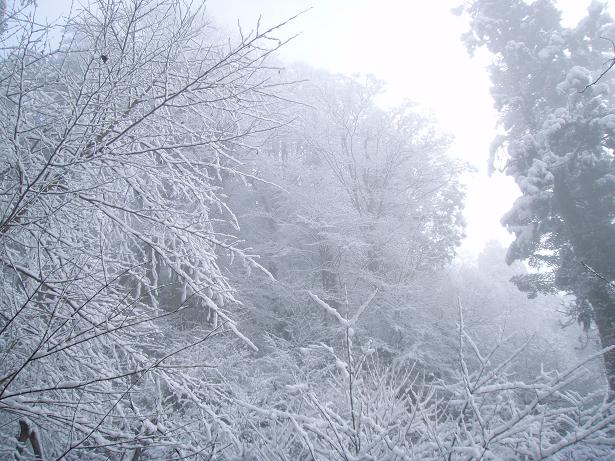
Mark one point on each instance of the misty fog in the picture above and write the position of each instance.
(294, 230)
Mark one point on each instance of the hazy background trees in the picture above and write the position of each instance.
(363, 199)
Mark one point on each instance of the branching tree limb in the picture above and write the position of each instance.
(611, 63)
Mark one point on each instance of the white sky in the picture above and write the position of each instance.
(414, 46)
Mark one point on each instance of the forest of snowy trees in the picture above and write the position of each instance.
(206, 254)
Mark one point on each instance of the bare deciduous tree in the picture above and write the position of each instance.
(115, 129)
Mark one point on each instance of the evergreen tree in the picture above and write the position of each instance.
(558, 123)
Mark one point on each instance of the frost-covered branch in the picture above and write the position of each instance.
(115, 235)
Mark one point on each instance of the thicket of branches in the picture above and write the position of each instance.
(115, 129)
(357, 407)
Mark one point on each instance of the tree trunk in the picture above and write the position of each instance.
(329, 276)
(25, 434)
(592, 239)
(603, 308)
